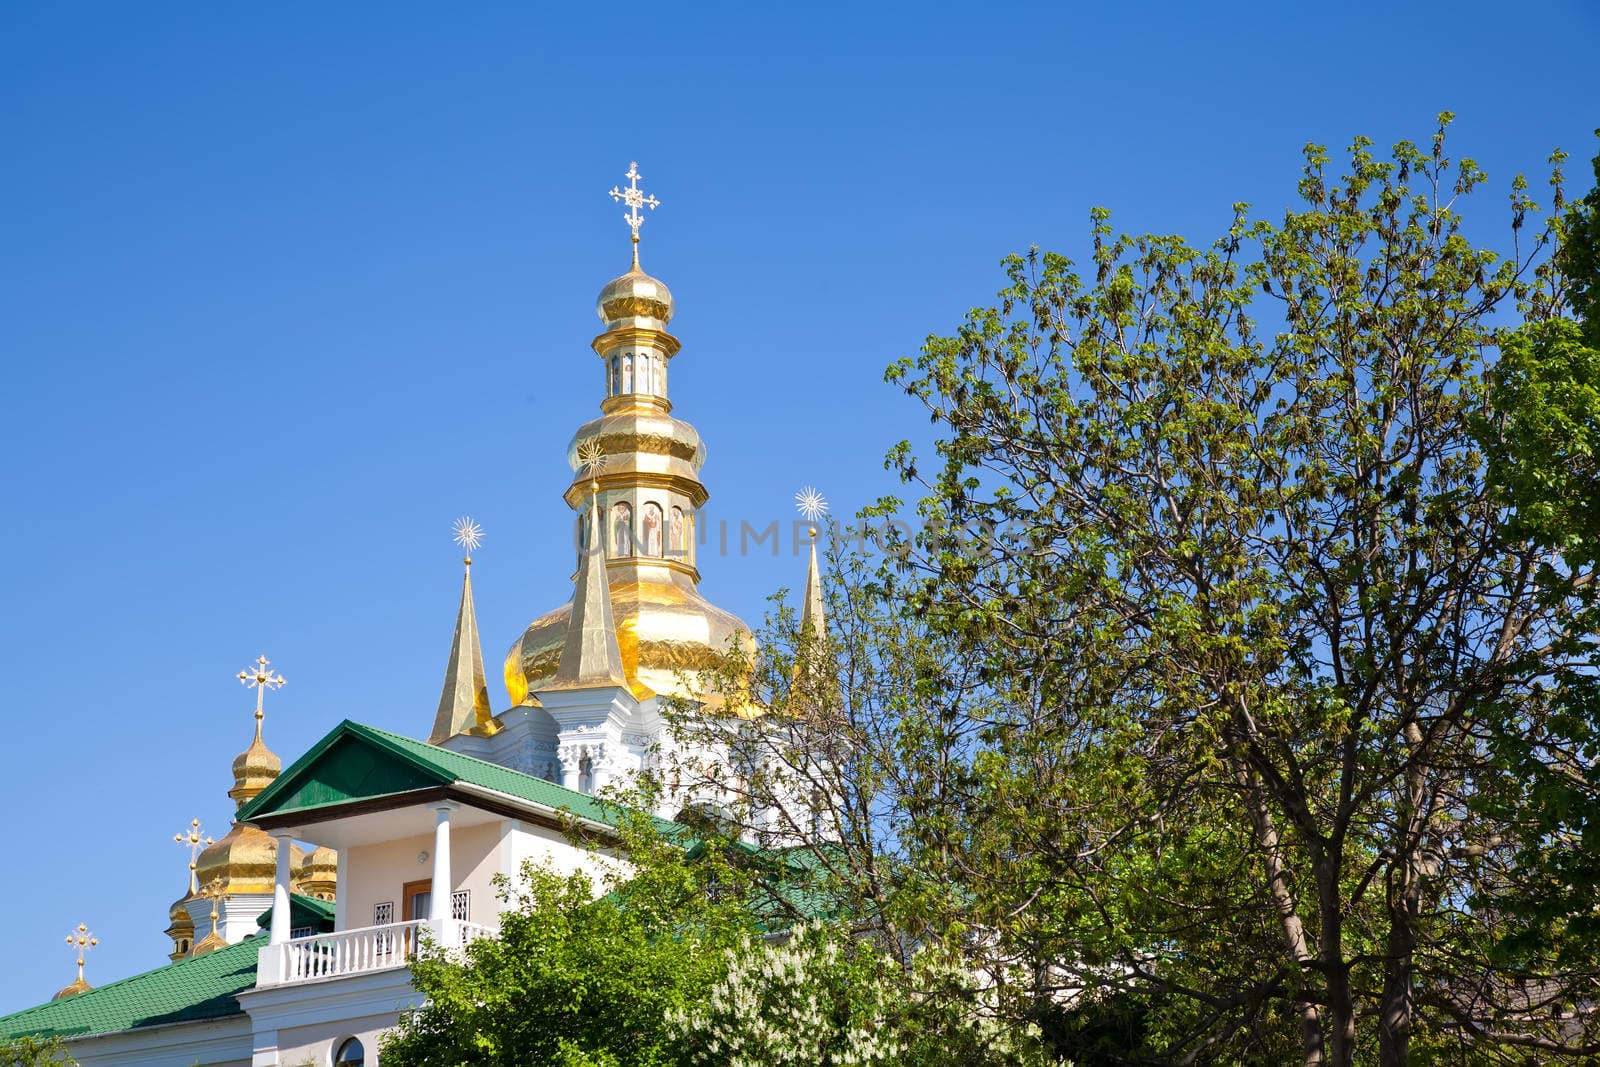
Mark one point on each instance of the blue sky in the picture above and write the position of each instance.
(287, 288)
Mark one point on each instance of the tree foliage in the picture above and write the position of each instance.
(1258, 619)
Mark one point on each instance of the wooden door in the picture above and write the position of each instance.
(418, 896)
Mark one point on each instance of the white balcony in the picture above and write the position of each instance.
(360, 951)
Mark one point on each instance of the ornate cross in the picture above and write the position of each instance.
(635, 199)
(260, 678)
(194, 840)
(81, 941)
(214, 891)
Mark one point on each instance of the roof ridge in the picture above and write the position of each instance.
(501, 767)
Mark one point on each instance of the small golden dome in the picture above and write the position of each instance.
(78, 986)
(253, 770)
(181, 928)
(210, 943)
(319, 874)
(634, 295)
(245, 860)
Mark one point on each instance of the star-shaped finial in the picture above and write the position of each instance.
(468, 534)
(811, 504)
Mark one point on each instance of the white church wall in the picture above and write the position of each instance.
(218, 1043)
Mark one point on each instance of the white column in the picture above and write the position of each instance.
(439, 902)
(280, 890)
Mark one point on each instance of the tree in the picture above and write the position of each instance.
(35, 1052)
(582, 975)
(1215, 528)
(824, 996)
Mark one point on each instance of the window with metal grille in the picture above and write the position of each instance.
(302, 931)
(461, 905)
(383, 914)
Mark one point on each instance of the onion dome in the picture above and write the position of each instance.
(210, 943)
(253, 770)
(634, 295)
(78, 986)
(244, 860)
(318, 875)
(182, 928)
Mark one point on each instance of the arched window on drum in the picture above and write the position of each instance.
(677, 535)
(652, 530)
(621, 529)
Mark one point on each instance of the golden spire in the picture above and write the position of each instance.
(256, 767)
(464, 704)
(212, 941)
(590, 656)
(80, 941)
(634, 198)
(812, 506)
(194, 840)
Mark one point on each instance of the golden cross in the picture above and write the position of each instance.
(81, 941)
(213, 890)
(194, 840)
(634, 198)
(260, 678)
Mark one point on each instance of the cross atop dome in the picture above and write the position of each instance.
(634, 198)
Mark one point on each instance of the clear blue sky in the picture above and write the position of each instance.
(287, 288)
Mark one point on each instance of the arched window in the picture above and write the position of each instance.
(616, 375)
(621, 529)
(646, 364)
(627, 374)
(350, 1054)
(651, 532)
(586, 775)
(677, 543)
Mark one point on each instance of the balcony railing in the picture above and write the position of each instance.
(359, 951)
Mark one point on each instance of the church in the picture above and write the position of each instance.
(290, 945)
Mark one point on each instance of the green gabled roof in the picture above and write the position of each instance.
(304, 911)
(357, 762)
(190, 990)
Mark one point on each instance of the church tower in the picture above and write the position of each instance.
(646, 464)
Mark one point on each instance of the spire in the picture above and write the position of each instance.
(464, 704)
(813, 617)
(812, 506)
(590, 657)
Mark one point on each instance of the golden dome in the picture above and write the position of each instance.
(78, 986)
(318, 875)
(664, 626)
(253, 770)
(634, 295)
(245, 860)
(181, 929)
(210, 943)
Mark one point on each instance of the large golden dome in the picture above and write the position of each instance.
(664, 626)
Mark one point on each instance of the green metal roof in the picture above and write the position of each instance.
(357, 762)
(304, 911)
(190, 990)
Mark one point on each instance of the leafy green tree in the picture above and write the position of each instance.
(1214, 526)
(582, 975)
(35, 1052)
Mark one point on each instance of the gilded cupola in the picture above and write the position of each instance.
(644, 467)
